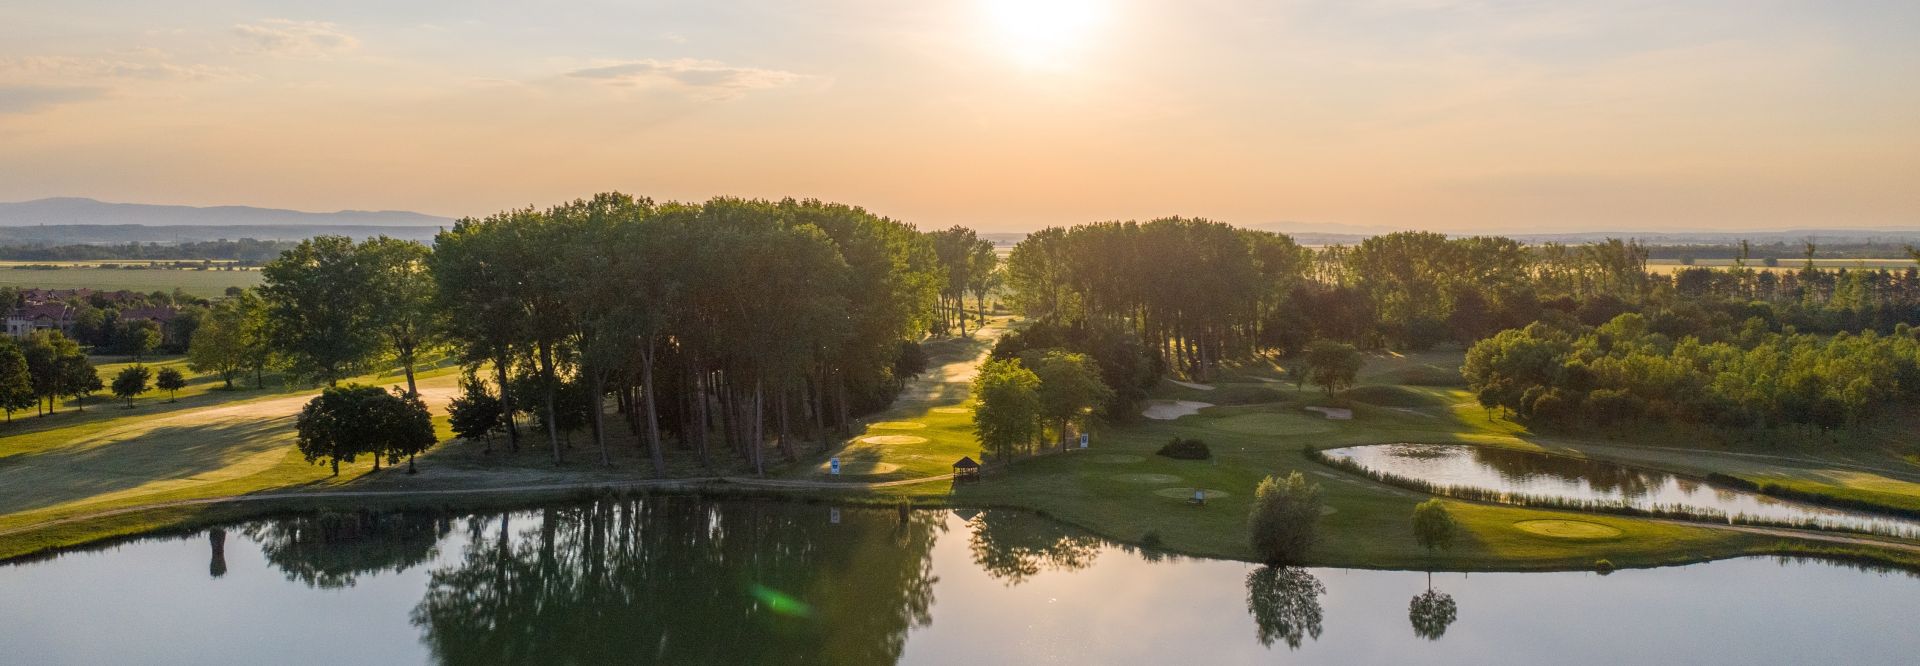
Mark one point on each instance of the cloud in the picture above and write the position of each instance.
(707, 79)
(67, 68)
(295, 39)
(16, 99)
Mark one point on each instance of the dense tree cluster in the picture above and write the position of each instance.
(246, 250)
(1746, 376)
(346, 422)
(43, 368)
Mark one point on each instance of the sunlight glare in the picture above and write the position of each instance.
(1043, 32)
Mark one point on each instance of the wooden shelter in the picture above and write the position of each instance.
(966, 469)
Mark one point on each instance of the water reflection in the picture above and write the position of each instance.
(217, 541)
(1285, 604)
(1431, 612)
(1013, 546)
(1579, 480)
(683, 583)
(333, 550)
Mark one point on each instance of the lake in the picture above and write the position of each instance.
(680, 580)
(1559, 477)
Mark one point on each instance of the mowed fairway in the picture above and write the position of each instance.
(205, 284)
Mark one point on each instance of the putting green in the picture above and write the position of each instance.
(862, 468)
(1145, 477)
(1568, 529)
(1115, 458)
(953, 410)
(1187, 493)
(894, 440)
(1269, 423)
(897, 425)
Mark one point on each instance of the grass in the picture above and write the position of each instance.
(206, 284)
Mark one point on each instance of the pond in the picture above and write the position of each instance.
(1565, 478)
(684, 581)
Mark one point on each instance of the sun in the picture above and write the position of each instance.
(1043, 32)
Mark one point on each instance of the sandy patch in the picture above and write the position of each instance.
(893, 440)
(1187, 493)
(897, 425)
(1168, 410)
(1334, 413)
(1191, 385)
(1146, 478)
(861, 468)
(953, 410)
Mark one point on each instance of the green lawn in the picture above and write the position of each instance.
(206, 284)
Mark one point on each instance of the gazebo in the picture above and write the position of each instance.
(966, 469)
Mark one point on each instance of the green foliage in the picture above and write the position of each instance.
(1431, 613)
(1185, 449)
(345, 422)
(1332, 366)
(321, 309)
(16, 381)
(1433, 527)
(1125, 366)
(1285, 605)
(1285, 517)
(1070, 387)
(138, 338)
(171, 380)
(476, 413)
(1008, 417)
(229, 339)
(131, 382)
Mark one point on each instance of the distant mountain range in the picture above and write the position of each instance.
(77, 221)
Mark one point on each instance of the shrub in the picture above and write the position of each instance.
(1603, 565)
(1284, 518)
(1185, 449)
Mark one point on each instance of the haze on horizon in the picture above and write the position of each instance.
(1004, 115)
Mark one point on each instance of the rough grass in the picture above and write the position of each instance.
(205, 284)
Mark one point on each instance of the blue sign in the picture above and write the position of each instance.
(1083, 440)
(835, 467)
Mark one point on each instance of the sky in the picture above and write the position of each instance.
(1002, 115)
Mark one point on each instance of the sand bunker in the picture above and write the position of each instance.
(953, 410)
(1168, 410)
(861, 468)
(893, 440)
(1115, 458)
(1187, 493)
(897, 425)
(1334, 413)
(1568, 529)
(1191, 385)
(1146, 478)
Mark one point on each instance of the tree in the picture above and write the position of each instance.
(52, 366)
(1285, 604)
(1070, 388)
(170, 380)
(1433, 527)
(1332, 365)
(1009, 412)
(16, 381)
(476, 414)
(222, 345)
(138, 337)
(343, 423)
(1431, 612)
(320, 309)
(401, 290)
(1284, 518)
(132, 381)
(79, 379)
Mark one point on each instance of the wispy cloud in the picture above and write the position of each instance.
(68, 68)
(295, 39)
(706, 79)
(19, 99)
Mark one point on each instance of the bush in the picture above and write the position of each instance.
(1185, 449)
(1284, 518)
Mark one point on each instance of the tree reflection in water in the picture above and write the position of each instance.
(331, 550)
(1285, 604)
(664, 581)
(217, 540)
(1431, 612)
(1013, 546)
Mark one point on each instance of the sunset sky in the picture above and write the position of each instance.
(998, 114)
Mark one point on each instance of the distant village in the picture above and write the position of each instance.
(101, 319)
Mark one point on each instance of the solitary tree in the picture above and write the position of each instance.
(1070, 388)
(170, 380)
(1433, 527)
(1284, 518)
(1332, 365)
(131, 381)
(343, 423)
(78, 379)
(1008, 416)
(476, 413)
(16, 383)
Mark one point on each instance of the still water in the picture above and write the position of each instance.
(1580, 479)
(684, 581)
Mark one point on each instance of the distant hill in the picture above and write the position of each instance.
(67, 211)
(80, 221)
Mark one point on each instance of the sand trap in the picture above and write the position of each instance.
(1115, 458)
(1334, 413)
(953, 410)
(861, 468)
(1191, 385)
(1146, 478)
(1328, 511)
(893, 440)
(1187, 493)
(1271, 380)
(897, 425)
(1168, 410)
(1568, 529)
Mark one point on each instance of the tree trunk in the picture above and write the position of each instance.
(599, 407)
(786, 446)
(336, 467)
(500, 364)
(653, 416)
(818, 397)
(546, 374)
